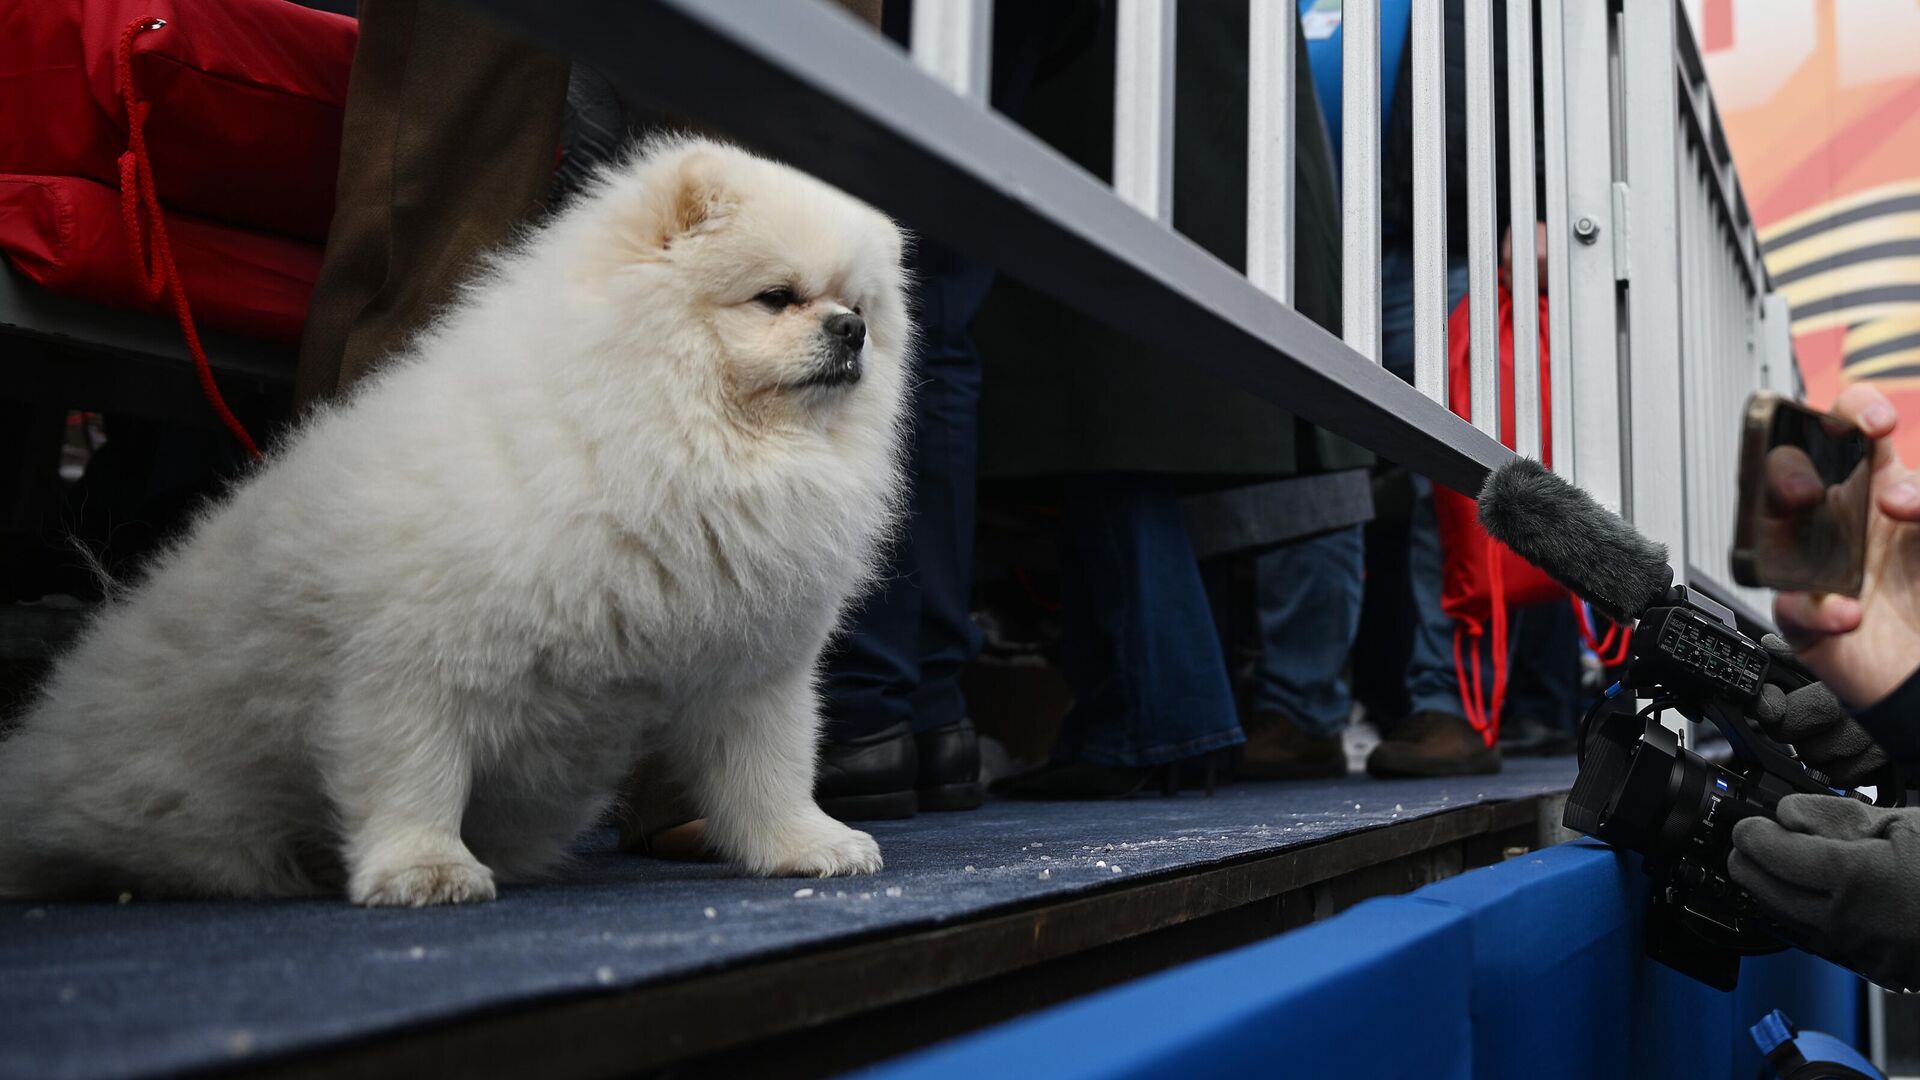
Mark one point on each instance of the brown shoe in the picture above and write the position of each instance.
(1433, 744)
(1277, 749)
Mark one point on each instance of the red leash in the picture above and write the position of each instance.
(153, 258)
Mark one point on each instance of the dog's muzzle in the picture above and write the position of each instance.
(845, 338)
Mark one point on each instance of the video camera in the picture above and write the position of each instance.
(1638, 788)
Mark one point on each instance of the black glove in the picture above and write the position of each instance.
(1843, 874)
(1813, 722)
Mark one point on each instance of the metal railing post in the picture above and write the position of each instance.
(1270, 147)
(1553, 122)
(1483, 307)
(1143, 107)
(1360, 180)
(1521, 212)
(953, 41)
(1655, 396)
(1427, 40)
(1592, 454)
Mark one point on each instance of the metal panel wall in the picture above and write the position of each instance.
(1644, 216)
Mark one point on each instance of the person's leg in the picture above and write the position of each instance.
(447, 146)
(1309, 606)
(1436, 739)
(946, 456)
(895, 669)
(1543, 685)
(1142, 654)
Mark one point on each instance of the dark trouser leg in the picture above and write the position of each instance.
(1310, 595)
(447, 146)
(1543, 688)
(1141, 650)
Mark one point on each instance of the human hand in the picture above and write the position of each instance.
(1844, 875)
(1864, 648)
(1815, 724)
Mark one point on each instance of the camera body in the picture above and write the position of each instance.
(1640, 789)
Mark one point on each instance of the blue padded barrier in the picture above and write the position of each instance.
(1553, 942)
(1534, 967)
(1379, 992)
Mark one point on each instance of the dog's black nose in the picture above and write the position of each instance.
(849, 329)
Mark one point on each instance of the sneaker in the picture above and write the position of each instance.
(1432, 743)
(1277, 749)
(869, 778)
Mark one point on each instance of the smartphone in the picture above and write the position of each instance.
(1805, 491)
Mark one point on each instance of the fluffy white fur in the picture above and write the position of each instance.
(597, 506)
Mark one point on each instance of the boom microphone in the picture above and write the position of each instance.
(1578, 542)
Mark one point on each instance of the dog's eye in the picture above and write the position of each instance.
(778, 299)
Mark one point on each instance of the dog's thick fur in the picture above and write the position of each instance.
(619, 494)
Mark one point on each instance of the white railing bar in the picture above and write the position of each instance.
(1360, 179)
(953, 42)
(1520, 195)
(1484, 313)
(1270, 147)
(1427, 40)
(1590, 452)
(1143, 107)
(1656, 390)
(1560, 236)
(1732, 211)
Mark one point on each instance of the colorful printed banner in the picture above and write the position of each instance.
(1821, 104)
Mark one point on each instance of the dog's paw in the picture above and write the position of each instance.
(823, 849)
(424, 885)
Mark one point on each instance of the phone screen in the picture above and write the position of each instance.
(1805, 482)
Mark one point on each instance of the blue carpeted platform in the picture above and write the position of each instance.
(149, 989)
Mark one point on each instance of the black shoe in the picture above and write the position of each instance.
(949, 767)
(1277, 749)
(1433, 743)
(1074, 780)
(1527, 737)
(870, 777)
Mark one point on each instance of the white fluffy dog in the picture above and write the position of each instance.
(618, 496)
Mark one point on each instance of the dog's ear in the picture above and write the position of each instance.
(698, 197)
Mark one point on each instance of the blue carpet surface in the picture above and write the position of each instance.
(151, 989)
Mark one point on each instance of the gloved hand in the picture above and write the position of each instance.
(1814, 723)
(1843, 874)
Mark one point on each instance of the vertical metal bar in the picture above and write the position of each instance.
(1484, 314)
(1270, 143)
(1553, 86)
(1656, 393)
(1428, 43)
(1877, 1026)
(1143, 107)
(1776, 346)
(1520, 196)
(1588, 316)
(953, 41)
(1360, 181)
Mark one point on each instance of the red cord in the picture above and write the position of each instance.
(1619, 637)
(1484, 714)
(153, 265)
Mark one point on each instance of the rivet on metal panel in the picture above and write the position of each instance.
(1586, 230)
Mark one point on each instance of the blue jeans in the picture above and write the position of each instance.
(900, 656)
(1544, 683)
(1139, 647)
(1310, 591)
